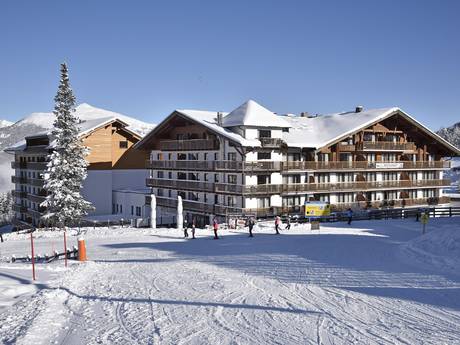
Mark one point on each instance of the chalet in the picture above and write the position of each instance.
(254, 161)
(113, 165)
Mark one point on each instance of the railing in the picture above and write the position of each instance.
(386, 146)
(197, 206)
(29, 165)
(189, 145)
(180, 184)
(19, 208)
(37, 182)
(356, 165)
(341, 186)
(214, 165)
(18, 179)
(19, 194)
(271, 142)
(347, 147)
(391, 203)
(36, 198)
(262, 166)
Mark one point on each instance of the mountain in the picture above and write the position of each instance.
(452, 135)
(39, 122)
(5, 123)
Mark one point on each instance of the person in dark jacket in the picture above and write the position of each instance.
(185, 228)
(349, 216)
(193, 228)
(251, 226)
(288, 223)
(215, 227)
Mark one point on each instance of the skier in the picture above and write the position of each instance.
(215, 226)
(193, 228)
(288, 223)
(1, 237)
(277, 224)
(185, 228)
(250, 225)
(349, 216)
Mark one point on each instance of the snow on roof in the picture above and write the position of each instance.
(252, 113)
(209, 120)
(316, 132)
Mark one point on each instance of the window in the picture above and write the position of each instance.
(232, 156)
(181, 176)
(169, 156)
(216, 199)
(231, 179)
(205, 156)
(205, 197)
(264, 133)
(264, 155)
(322, 178)
(263, 202)
(263, 179)
(169, 193)
(121, 208)
(160, 192)
(170, 175)
(216, 177)
(231, 201)
(181, 157)
(193, 176)
(193, 156)
(138, 211)
(205, 176)
(160, 174)
(123, 144)
(193, 196)
(216, 156)
(132, 210)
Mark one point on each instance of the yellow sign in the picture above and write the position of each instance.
(317, 209)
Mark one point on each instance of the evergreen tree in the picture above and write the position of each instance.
(66, 169)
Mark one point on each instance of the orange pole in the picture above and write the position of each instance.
(33, 255)
(81, 250)
(65, 248)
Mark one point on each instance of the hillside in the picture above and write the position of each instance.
(40, 121)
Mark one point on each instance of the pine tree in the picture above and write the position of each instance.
(66, 169)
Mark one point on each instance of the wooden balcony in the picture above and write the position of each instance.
(214, 165)
(180, 184)
(303, 188)
(19, 208)
(189, 145)
(37, 182)
(271, 142)
(19, 194)
(29, 165)
(18, 179)
(385, 146)
(195, 206)
(363, 165)
(262, 166)
(19, 165)
(347, 147)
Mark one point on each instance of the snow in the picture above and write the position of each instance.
(339, 285)
(252, 113)
(5, 123)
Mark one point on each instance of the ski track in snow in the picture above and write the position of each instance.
(339, 286)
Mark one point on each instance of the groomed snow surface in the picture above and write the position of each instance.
(375, 282)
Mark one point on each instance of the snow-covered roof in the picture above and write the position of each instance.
(85, 128)
(252, 113)
(319, 131)
(209, 120)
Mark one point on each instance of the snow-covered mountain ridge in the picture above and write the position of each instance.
(5, 123)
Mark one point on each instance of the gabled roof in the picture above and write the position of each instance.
(252, 113)
(321, 131)
(85, 128)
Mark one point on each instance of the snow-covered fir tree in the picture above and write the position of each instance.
(67, 166)
(6, 207)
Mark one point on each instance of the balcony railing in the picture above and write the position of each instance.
(271, 142)
(37, 182)
(18, 179)
(357, 165)
(180, 184)
(29, 165)
(346, 147)
(214, 165)
(189, 145)
(385, 146)
(19, 194)
(19, 208)
(36, 198)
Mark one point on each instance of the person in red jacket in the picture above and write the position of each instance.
(215, 226)
(277, 224)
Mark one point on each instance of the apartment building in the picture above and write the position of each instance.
(253, 161)
(113, 164)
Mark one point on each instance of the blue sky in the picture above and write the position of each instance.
(145, 58)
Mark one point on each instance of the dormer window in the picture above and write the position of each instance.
(123, 144)
(265, 133)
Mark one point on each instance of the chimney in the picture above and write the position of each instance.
(304, 114)
(359, 109)
(219, 118)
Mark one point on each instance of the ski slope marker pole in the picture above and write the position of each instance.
(65, 248)
(33, 255)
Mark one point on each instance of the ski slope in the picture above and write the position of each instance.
(370, 283)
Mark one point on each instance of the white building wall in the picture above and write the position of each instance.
(129, 200)
(129, 178)
(97, 188)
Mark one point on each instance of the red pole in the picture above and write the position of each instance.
(65, 248)
(33, 255)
